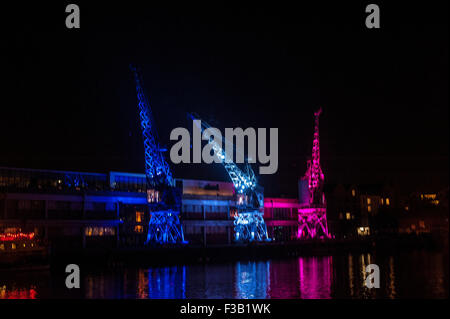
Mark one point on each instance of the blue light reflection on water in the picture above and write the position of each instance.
(166, 282)
(252, 280)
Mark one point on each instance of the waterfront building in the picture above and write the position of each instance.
(73, 210)
(68, 209)
(425, 212)
(361, 210)
(207, 212)
(281, 216)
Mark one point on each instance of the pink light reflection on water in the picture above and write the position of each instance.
(315, 277)
(303, 278)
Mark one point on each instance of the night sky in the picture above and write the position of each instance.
(69, 102)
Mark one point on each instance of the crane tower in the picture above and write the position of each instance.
(312, 217)
(249, 222)
(163, 197)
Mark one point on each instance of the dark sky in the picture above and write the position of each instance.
(68, 98)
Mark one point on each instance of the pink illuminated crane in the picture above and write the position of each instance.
(312, 215)
(314, 171)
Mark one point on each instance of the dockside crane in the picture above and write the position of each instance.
(163, 197)
(314, 170)
(249, 224)
(312, 215)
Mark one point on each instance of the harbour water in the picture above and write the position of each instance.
(413, 274)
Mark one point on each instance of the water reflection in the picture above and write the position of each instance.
(418, 274)
(17, 293)
(391, 276)
(284, 280)
(363, 261)
(22, 285)
(357, 275)
(351, 275)
(153, 283)
(163, 283)
(252, 280)
(315, 275)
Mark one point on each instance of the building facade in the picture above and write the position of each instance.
(281, 217)
(74, 210)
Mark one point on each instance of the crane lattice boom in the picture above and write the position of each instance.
(242, 182)
(162, 196)
(156, 168)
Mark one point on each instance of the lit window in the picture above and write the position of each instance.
(368, 201)
(348, 215)
(382, 201)
(353, 193)
(369, 208)
(2, 246)
(138, 229)
(363, 231)
(421, 224)
(152, 196)
(406, 207)
(139, 217)
(88, 231)
(100, 231)
(387, 201)
(13, 246)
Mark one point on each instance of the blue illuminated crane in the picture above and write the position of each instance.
(249, 222)
(162, 196)
(157, 170)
